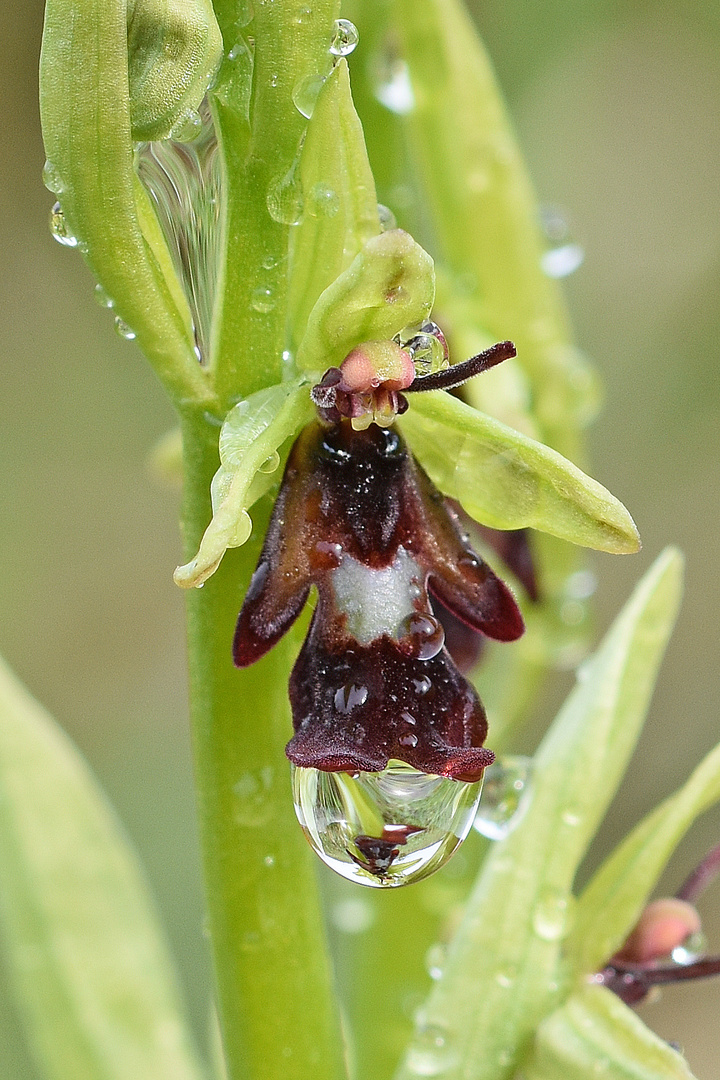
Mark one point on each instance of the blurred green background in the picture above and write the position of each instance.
(617, 108)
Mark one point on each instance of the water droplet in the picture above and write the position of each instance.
(550, 919)
(126, 332)
(421, 636)
(270, 463)
(435, 959)
(103, 298)
(431, 1053)
(580, 585)
(352, 916)
(269, 861)
(244, 13)
(387, 218)
(263, 299)
(506, 977)
(693, 948)
(305, 94)
(59, 228)
(561, 261)
(393, 88)
(505, 796)
(303, 14)
(349, 696)
(383, 829)
(345, 38)
(323, 202)
(252, 806)
(428, 353)
(187, 127)
(284, 198)
(270, 262)
(51, 179)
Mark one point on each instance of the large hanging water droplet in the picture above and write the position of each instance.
(384, 829)
(59, 228)
(505, 796)
(345, 38)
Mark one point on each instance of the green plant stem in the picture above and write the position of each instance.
(274, 985)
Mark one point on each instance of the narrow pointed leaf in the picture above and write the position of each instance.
(595, 1036)
(508, 952)
(485, 211)
(613, 900)
(339, 196)
(508, 481)
(275, 415)
(95, 985)
(85, 90)
(388, 286)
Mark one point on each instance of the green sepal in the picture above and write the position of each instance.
(96, 989)
(485, 211)
(339, 199)
(276, 414)
(612, 902)
(508, 481)
(174, 51)
(85, 89)
(510, 951)
(595, 1036)
(388, 286)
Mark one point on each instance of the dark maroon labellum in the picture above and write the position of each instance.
(359, 519)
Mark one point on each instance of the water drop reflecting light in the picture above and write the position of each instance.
(505, 796)
(384, 829)
(345, 38)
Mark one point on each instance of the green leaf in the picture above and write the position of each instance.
(613, 900)
(594, 1036)
(339, 196)
(509, 950)
(485, 212)
(250, 438)
(85, 105)
(508, 481)
(95, 984)
(388, 286)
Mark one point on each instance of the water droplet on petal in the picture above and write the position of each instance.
(505, 796)
(345, 38)
(305, 94)
(103, 298)
(430, 1052)
(126, 332)
(551, 917)
(263, 299)
(421, 635)
(393, 88)
(383, 829)
(51, 179)
(387, 218)
(270, 463)
(187, 127)
(59, 228)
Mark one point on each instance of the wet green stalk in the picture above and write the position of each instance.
(274, 984)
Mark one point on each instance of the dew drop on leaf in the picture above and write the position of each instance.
(431, 1052)
(305, 94)
(505, 796)
(123, 330)
(59, 228)
(345, 38)
(550, 919)
(383, 829)
(51, 178)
